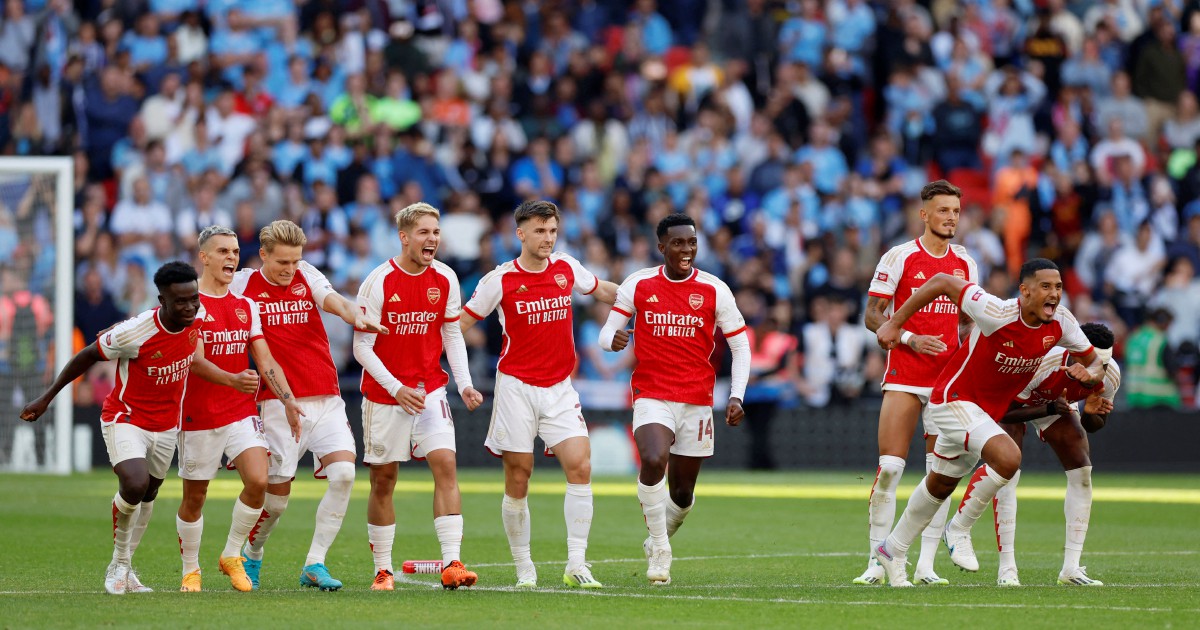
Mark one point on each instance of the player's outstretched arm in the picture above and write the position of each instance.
(614, 337)
(245, 381)
(76, 367)
(605, 292)
(945, 284)
(272, 374)
(337, 305)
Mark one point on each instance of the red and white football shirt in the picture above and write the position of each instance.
(1003, 352)
(1051, 381)
(535, 311)
(675, 324)
(152, 370)
(291, 323)
(903, 270)
(231, 323)
(413, 308)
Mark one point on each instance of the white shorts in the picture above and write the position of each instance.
(521, 411)
(391, 434)
(200, 451)
(963, 429)
(691, 424)
(922, 394)
(125, 441)
(324, 429)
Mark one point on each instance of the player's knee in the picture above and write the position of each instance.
(340, 475)
(255, 489)
(580, 472)
(655, 464)
(940, 486)
(1006, 464)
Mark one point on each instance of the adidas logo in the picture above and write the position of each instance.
(157, 355)
(264, 294)
(394, 298)
(209, 318)
(523, 289)
(920, 275)
(653, 299)
(1009, 344)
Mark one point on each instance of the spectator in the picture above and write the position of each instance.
(1159, 77)
(1148, 364)
(1133, 273)
(834, 350)
(1180, 296)
(1087, 70)
(95, 308)
(1122, 105)
(958, 132)
(137, 219)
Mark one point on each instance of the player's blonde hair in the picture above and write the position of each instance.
(281, 232)
(408, 217)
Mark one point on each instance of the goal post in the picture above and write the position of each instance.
(37, 197)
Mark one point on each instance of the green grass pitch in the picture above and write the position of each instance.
(760, 550)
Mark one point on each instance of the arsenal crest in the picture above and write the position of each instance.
(695, 300)
(561, 280)
(1047, 342)
(434, 295)
(241, 315)
(298, 290)
(958, 273)
(193, 334)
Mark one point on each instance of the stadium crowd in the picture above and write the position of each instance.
(797, 134)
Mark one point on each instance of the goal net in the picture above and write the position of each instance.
(36, 309)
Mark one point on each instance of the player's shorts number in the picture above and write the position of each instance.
(446, 411)
(706, 428)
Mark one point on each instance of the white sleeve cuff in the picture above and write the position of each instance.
(616, 321)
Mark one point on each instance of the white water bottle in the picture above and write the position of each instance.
(421, 389)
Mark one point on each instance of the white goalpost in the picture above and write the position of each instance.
(37, 295)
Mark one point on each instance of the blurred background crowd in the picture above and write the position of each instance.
(797, 134)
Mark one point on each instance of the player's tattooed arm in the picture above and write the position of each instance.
(876, 312)
(273, 374)
(76, 367)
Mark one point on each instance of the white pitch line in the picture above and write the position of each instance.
(836, 554)
(404, 579)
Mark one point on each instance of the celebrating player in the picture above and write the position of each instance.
(678, 309)
(973, 392)
(534, 396)
(219, 422)
(1049, 403)
(405, 413)
(288, 292)
(931, 337)
(140, 417)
